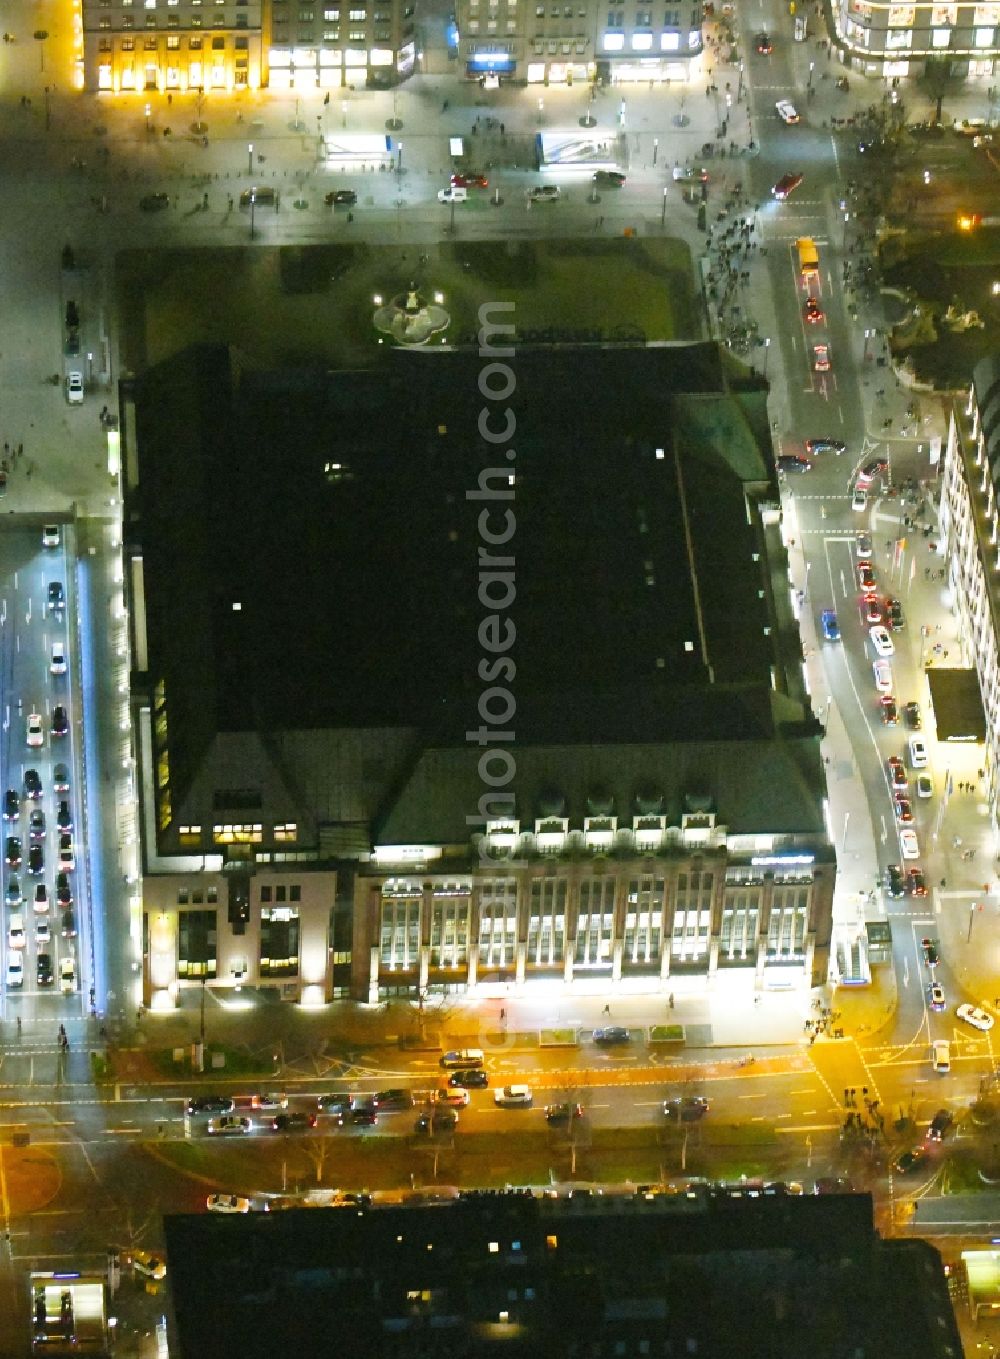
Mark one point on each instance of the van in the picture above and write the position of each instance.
(941, 1057)
(462, 1059)
(453, 194)
(918, 752)
(67, 976)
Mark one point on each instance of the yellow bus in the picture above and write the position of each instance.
(808, 257)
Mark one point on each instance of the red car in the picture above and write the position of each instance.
(904, 812)
(786, 185)
(916, 885)
(890, 716)
(872, 610)
(470, 181)
(814, 312)
(821, 358)
(866, 578)
(897, 771)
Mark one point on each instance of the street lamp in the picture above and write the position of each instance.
(399, 158)
(40, 35)
(149, 113)
(767, 350)
(253, 205)
(541, 109)
(812, 67)
(663, 210)
(250, 158)
(656, 148)
(343, 110)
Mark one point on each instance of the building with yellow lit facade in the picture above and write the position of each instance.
(223, 46)
(896, 40)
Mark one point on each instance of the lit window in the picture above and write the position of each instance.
(984, 37)
(229, 833)
(494, 1247)
(670, 42)
(287, 830)
(642, 42)
(941, 37)
(614, 42)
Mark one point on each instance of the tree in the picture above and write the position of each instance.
(936, 80)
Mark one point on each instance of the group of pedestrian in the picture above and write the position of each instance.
(966, 787)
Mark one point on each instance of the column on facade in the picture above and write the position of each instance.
(667, 931)
(764, 925)
(715, 919)
(373, 975)
(426, 926)
(472, 971)
(521, 934)
(572, 914)
(618, 927)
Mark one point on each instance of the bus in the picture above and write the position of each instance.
(808, 258)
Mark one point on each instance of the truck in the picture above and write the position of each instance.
(808, 258)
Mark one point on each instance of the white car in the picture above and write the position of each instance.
(43, 934)
(269, 1101)
(881, 641)
(918, 752)
(941, 1056)
(454, 1096)
(74, 388)
(453, 194)
(15, 971)
(859, 500)
(925, 787)
(67, 854)
(67, 976)
(229, 1125)
(882, 671)
(147, 1265)
(40, 902)
(786, 111)
(863, 547)
(979, 1019)
(513, 1096)
(57, 665)
(50, 535)
(15, 932)
(36, 732)
(227, 1203)
(908, 844)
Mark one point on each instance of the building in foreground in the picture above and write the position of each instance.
(416, 715)
(699, 1273)
(909, 39)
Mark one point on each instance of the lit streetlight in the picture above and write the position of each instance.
(253, 205)
(250, 158)
(343, 110)
(767, 350)
(656, 148)
(663, 210)
(399, 158)
(149, 114)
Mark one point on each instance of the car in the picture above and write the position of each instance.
(15, 932)
(872, 610)
(935, 997)
(911, 715)
(903, 810)
(455, 1098)
(830, 626)
(470, 180)
(513, 1096)
(562, 1115)
(894, 881)
(866, 578)
(462, 1059)
(453, 195)
(11, 805)
(979, 1019)
(227, 1203)
(814, 314)
(441, 1120)
(60, 720)
(918, 752)
(335, 1104)
(50, 535)
(877, 467)
(35, 735)
(13, 894)
(881, 641)
(229, 1125)
(67, 926)
(821, 358)
(826, 445)
(859, 500)
(43, 932)
(74, 388)
(57, 663)
(690, 174)
(15, 971)
(36, 824)
(924, 785)
(60, 779)
(763, 44)
(929, 949)
(36, 859)
(888, 711)
(154, 202)
(390, 1100)
(40, 901)
(364, 1115)
(210, 1104)
(792, 462)
(609, 179)
(43, 969)
(941, 1125)
(908, 844)
(909, 1161)
(786, 111)
(296, 1121)
(894, 612)
(685, 1108)
(269, 1101)
(916, 882)
(32, 784)
(147, 1265)
(64, 892)
(56, 597)
(612, 1035)
(785, 186)
(67, 976)
(863, 546)
(474, 1080)
(882, 672)
(67, 854)
(337, 198)
(544, 193)
(64, 817)
(12, 851)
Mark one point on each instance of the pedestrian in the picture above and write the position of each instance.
(670, 1000)
(19, 1026)
(606, 1010)
(503, 1014)
(170, 100)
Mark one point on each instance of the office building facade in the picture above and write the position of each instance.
(898, 40)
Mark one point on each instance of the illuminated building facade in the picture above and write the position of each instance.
(552, 43)
(899, 39)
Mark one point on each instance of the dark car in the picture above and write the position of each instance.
(930, 951)
(210, 1104)
(154, 202)
(831, 628)
(763, 44)
(916, 883)
(337, 1103)
(340, 198)
(609, 179)
(894, 881)
(11, 805)
(293, 1122)
(56, 597)
(394, 1099)
(894, 614)
(64, 817)
(43, 969)
(792, 462)
(878, 467)
(60, 778)
(612, 1035)
(437, 1121)
(60, 720)
(12, 852)
(833, 1184)
(64, 892)
(911, 715)
(470, 1080)
(365, 1115)
(909, 1161)
(68, 926)
(72, 315)
(36, 824)
(32, 784)
(685, 1108)
(786, 185)
(941, 1125)
(561, 1115)
(887, 707)
(36, 859)
(826, 446)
